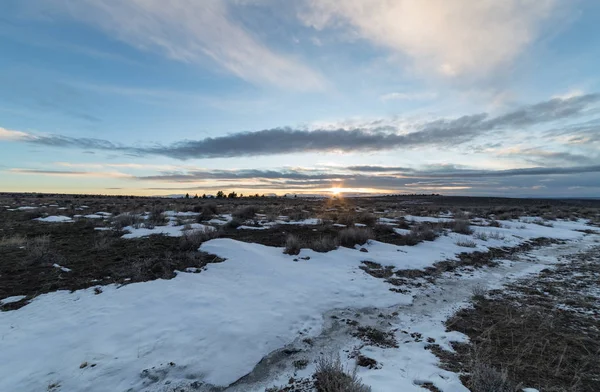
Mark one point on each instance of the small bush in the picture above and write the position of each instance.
(366, 219)
(234, 223)
(351, 236)
(38, 247)
(461, 226)
(324, 244)
(156, 218)
(478, 292)
(245, 212)
(481, 236)
(467, 244)
(298, 215)
(121, 221)
(192, 239)
(103, 240)
(331, 376)
(494, 223)
(485, 378)
(292, 245)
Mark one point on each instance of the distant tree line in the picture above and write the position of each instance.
(221, 195)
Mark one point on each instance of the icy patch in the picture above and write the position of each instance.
(64, 269)
(10, 300)
(170, 230)
(94, 216)
(243, 227)
(55, 218)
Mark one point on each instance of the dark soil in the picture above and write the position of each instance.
(94, 258)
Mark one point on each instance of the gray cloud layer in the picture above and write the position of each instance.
(287, 140)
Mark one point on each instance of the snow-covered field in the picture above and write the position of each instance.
(200, 330)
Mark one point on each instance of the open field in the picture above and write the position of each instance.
(397, 293)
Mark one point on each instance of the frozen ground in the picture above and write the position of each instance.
(201, 330)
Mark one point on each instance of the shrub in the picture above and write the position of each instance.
(351, 236)
(192, 239)
(324, 244)
(156, 218)
(234, 223)
(207, 211)
(461, 226)
(292, 245)
(467, 244)
(245, 212)
(331, 376)
(103, 240)
(366, 219)
(38, 247)
(485, 378)
(298, 215)
(124, 220)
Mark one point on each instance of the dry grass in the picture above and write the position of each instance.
(461, 226)
(245, 213)
(351, 236)
(14, 240)
(292, 245)
(331, 376)
(324, 244)
(192, 239)
(466, 243)
(124, 220)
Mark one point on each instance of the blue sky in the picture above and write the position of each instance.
(267, 96)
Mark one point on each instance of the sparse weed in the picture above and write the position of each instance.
(245, 213)
(14, 240)
(192, 239)
(292, 245)
(466, 243)
(461, 226)
(331, 376)
(324, 244)
(351, 236)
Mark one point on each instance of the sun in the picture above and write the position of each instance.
(336, 191)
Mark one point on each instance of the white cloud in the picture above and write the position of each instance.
(424, 96)
(7, 134)
(451, 38)
(192, 31)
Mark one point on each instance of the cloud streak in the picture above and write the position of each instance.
(378, 136)
(191, 32)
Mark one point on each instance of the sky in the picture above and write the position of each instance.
(148, 97)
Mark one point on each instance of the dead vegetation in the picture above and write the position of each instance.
(541, 332)
(351, 236)
(331, 376)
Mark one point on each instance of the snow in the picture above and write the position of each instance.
(180, 213)
(427, 219)
(215, 325)
(105, 214)
(401, 231)
(10, 300)
(55, 218)
(26, 208)
(338, 225)
(64, 269)
(243, 227)
(305, 222)
(94, 216)
(169, 230)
